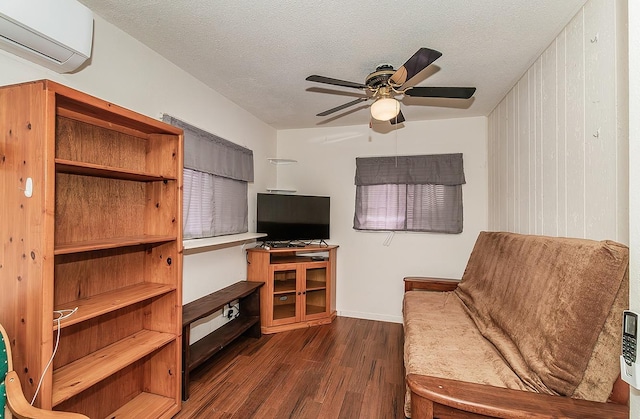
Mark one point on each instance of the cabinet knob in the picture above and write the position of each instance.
(299, 293)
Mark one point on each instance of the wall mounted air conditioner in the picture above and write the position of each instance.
(56, 34)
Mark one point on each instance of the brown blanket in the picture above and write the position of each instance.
(542, 302)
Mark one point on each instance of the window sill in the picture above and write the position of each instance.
(220, 242)
(283, 191)
(276, 160)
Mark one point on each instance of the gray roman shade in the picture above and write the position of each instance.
(409, 193)
(215, 183)
(435, 169)
(206, 152)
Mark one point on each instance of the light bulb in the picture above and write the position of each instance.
(385, 108)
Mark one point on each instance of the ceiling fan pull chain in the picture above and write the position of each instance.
(396, 136)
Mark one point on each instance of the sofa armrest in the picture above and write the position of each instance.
(415, 283)
(451, 398)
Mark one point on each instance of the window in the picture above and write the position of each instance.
(216, 176)
(409, 193)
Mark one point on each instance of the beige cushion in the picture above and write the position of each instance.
(441, 340)
(604, 366)
(543, 302)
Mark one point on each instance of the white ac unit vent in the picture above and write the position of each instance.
(56, 34)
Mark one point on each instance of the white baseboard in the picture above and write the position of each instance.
(370, 316)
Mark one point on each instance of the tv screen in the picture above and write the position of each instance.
(293, 217)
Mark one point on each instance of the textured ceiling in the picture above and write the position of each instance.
(258, 53)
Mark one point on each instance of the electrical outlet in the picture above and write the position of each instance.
(229, 312)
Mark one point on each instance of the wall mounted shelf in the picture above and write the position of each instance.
(275, 160)
(278, 190)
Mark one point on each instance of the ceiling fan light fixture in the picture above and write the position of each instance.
(385, 82)
(385, 108)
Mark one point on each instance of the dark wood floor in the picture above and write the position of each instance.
(349, 369)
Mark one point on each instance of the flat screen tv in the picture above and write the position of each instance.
(292, 217)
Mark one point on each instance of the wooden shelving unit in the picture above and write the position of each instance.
(248, 322)
(101, 235)
(107, 302)
(299, 291)
(110, 243)
(79, 375)
(88, 169)
(144, 405)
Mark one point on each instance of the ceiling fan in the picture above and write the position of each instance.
(386, 82)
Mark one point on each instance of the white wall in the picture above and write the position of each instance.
(548, 173)
(125, 72)
(634, 172)
(369, 274)
(558, 141)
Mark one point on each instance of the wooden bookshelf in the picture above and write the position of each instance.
(110, 243)
(144, 405)
(79, 375)
(94, 306)
(89, 169)
(101, 231)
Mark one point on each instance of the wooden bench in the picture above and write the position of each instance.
(247, 323)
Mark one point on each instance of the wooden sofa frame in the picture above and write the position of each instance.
(433, 397)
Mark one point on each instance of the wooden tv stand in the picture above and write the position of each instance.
(300, 285)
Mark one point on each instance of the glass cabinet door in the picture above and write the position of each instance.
(284, 295)
(315, 291)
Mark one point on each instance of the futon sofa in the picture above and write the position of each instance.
(532, 330)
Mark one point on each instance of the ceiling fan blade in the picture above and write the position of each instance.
(399, 119)
(418, 62)
(339, 108)
(447, 92)
(336, 82)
